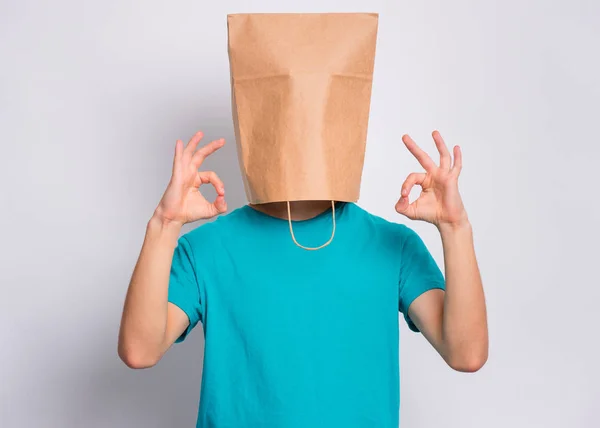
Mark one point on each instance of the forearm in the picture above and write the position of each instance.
(464, 326)
(144, 320)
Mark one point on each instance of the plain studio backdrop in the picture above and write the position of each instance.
(93, 96)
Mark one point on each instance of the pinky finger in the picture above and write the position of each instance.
(178, 154)
(457, 167)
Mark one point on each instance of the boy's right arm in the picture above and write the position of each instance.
(150, 324)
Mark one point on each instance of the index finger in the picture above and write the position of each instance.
(205, 151)
(423, 158)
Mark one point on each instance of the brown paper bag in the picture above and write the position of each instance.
(301, 91)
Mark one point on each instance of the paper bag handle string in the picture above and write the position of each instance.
(292, 229)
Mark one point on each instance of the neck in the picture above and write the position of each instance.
(301, 210)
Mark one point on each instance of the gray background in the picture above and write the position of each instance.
(93, 96)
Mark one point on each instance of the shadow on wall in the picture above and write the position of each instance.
(99, 390)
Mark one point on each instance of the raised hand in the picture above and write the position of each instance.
(182, 201)
(439, 202)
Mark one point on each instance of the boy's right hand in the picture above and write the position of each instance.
(182, 202)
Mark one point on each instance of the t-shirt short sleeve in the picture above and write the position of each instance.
(184, 290)
(418, 273)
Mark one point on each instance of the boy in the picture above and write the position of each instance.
(297, 338)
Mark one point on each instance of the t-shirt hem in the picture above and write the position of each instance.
(411, 325)
(188, 312)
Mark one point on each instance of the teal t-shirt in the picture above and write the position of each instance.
(296, 338)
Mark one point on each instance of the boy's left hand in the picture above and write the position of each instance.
(440, 202)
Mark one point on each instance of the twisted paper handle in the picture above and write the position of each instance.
(292, 229)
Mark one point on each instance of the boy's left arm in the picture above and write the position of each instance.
(454, 321)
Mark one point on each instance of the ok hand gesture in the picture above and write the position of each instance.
(182, 202)
(440, 202)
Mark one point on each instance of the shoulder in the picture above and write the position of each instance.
(221, 226)
(381, 227)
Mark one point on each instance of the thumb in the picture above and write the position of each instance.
(220, 204)
(405, 208)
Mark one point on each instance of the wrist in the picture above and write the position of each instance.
(159, 222)
(461, 226)
(164, 234)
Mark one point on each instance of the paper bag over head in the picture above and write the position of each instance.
(301, 91)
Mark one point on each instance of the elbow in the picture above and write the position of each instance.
(137, 358)
(468, 366)
(469, 362)
(137, 363)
